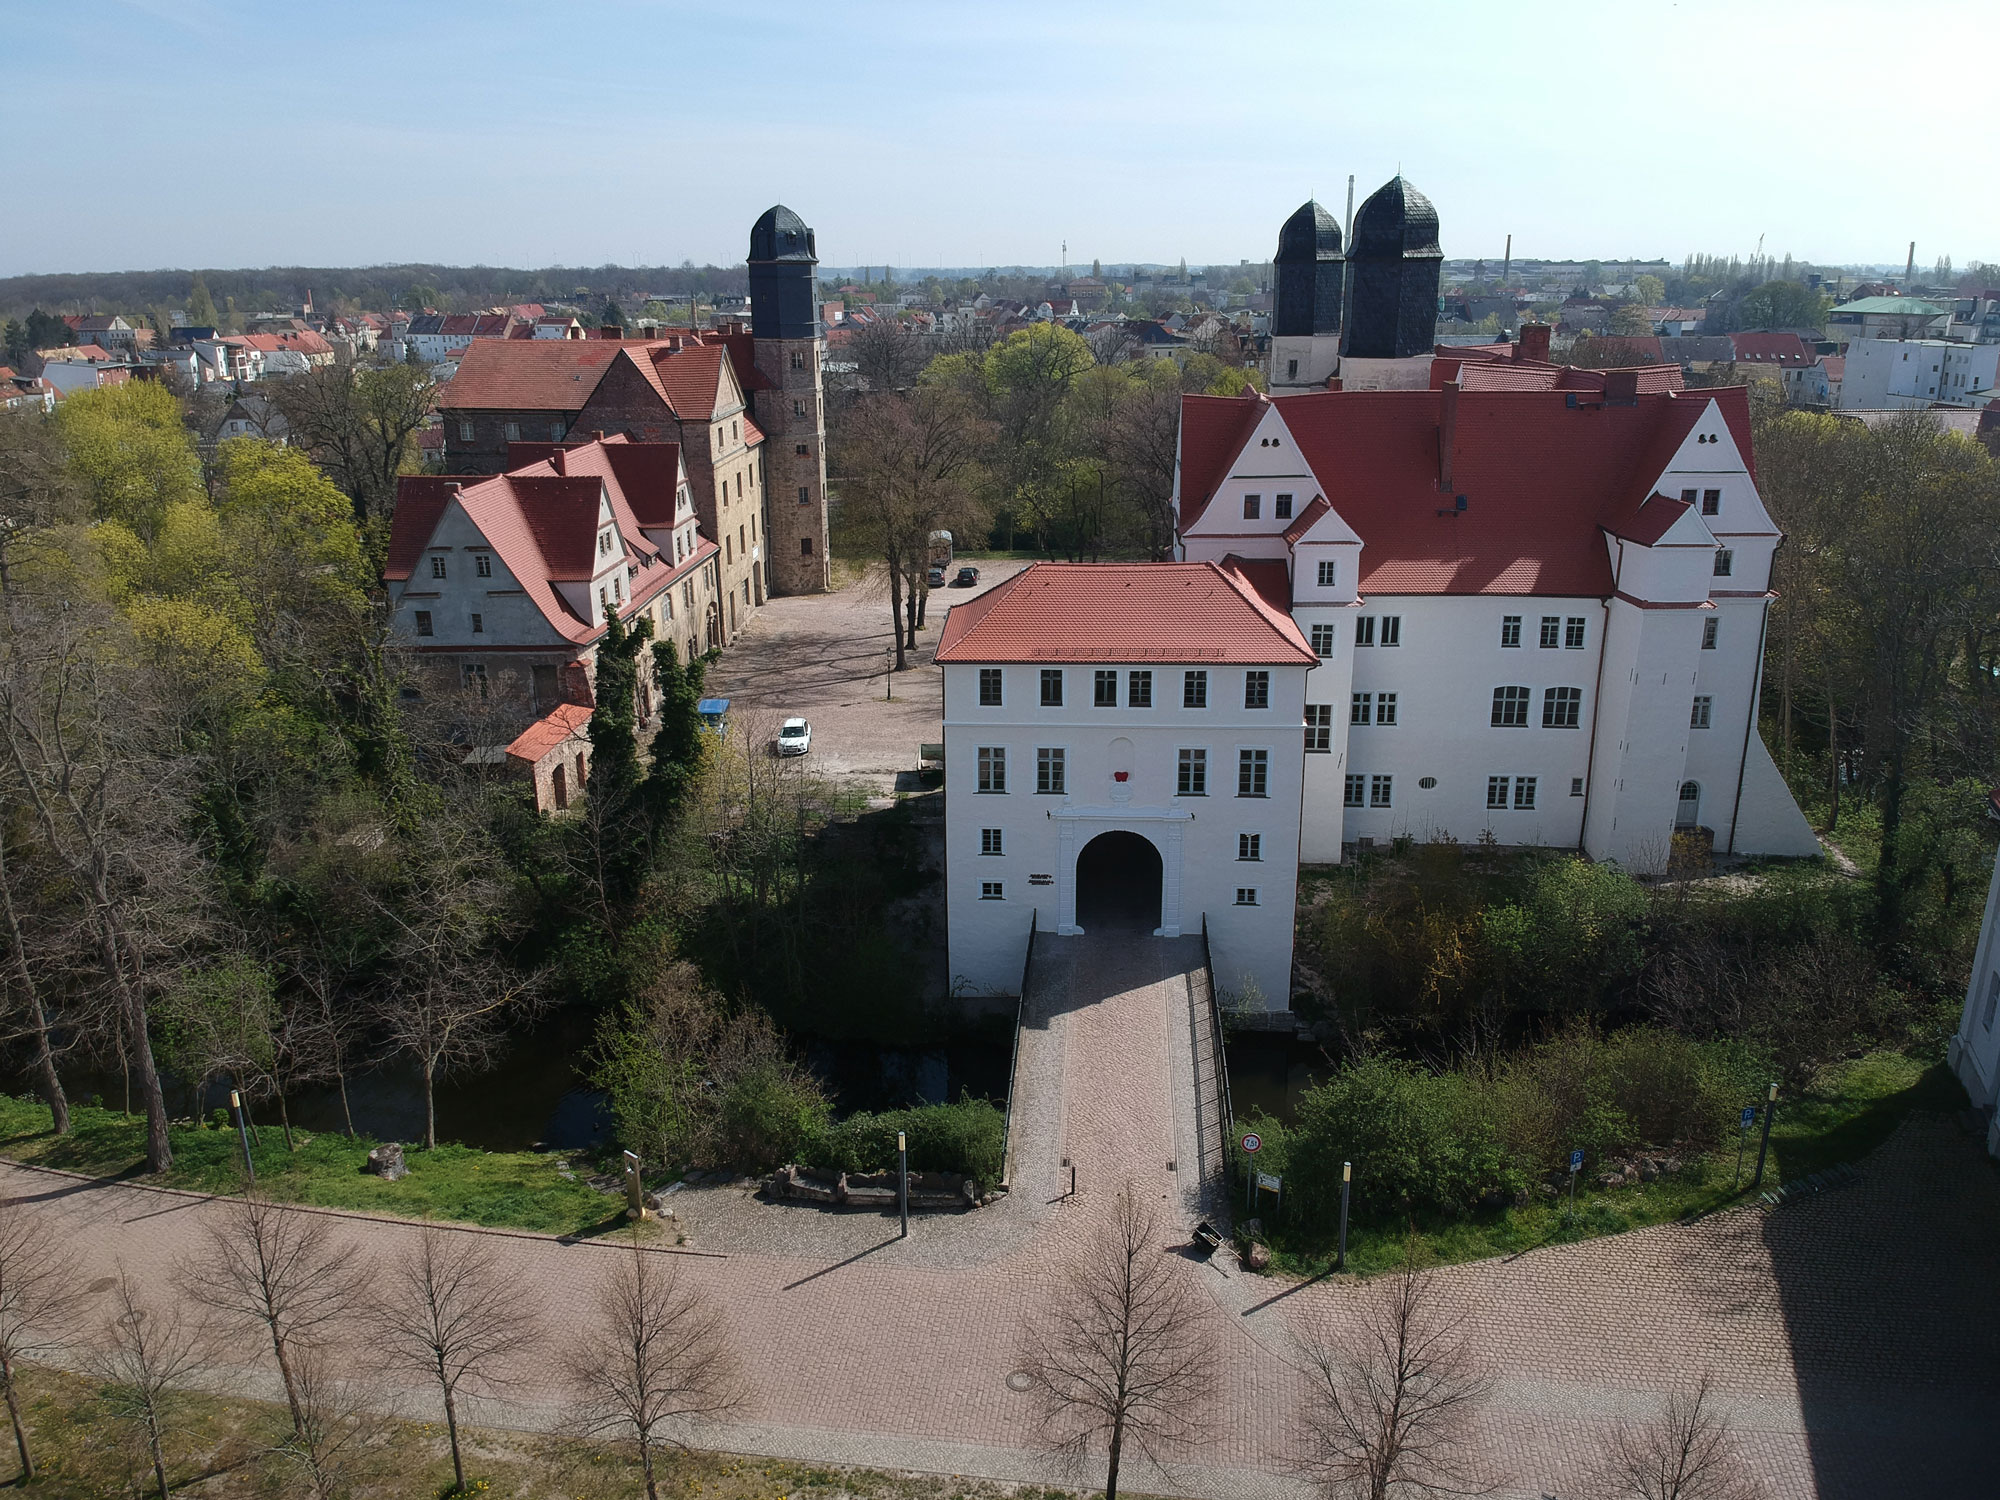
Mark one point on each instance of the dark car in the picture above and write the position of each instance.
(967, 577)
(935, 578)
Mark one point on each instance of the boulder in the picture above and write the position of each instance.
(1259, 1258)
(386, 1161)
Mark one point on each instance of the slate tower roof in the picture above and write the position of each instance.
(1310, 275)
(784, 290)
(1395, 269)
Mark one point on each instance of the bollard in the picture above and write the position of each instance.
(1764, 1141)
(1346, 1184)
(903, 1181)
(242, 1134)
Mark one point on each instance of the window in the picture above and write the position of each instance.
(1573, 633)
(992, 768)
(803, 451)
(1562, 707)
(465, 432)
(1524, 793)
(475, 677)
(513, 432)
(798, 360)
(1380, 790)
(478, 625)
(1551, 632)
(1104, 688)
(1322, 641)
(1576, 786)
(1194, 773)
(1253, 773)
(805, 495)
(1138, 689)
(1687, 497)
(1699, 718)
(1319, 727)
(1051, 687)
(437, 567)
(805, 546)
(1281, 507)
(1252, 504)
(1194, 690)
(1049, 773)
(482, 564)
(798, 408)
(1364, 630)
(1329, 572)
(1510, 707)
(556, 430)
(1256, 689)
(1496, 791)
(423, 622)
(1708, 629)
(1360, 707)
(1510, 630)
(1250, 847)
(1356, 786)
(1246, 895)
(1724, 561)
(992, 841)
(1711, 502)
(992, 890)
(989, 687)
(1385, 708)
(1291, 369)
(1392, 631)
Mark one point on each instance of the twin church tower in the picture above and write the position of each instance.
(1378, 300)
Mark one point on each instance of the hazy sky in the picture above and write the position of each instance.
(146, 133)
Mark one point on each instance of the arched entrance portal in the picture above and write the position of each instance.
(1118, 881)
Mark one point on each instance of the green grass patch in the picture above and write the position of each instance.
(502, 1189)
(1853, 1110)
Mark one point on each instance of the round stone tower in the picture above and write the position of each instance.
(790, 352)
(1394, 269)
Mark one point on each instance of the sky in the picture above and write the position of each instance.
(161, 133)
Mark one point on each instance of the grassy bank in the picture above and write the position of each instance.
(221, 1449)
(503, 1189)
(1853, 1110)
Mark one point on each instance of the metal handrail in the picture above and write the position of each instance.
(1221, 1058)
(1014, 1062)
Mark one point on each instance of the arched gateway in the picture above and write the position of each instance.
(1119, 877)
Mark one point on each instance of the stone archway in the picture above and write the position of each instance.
(1119, 881)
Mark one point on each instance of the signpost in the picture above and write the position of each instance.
(242, 1133)
(1744, 1122)
(635, 1193)
(1267, 1183)
(1764, 1141)
(1252, 1144)
(1346, 1183)
(1575, 1166)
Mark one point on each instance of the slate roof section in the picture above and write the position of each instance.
(1203, 613)
(1543, 479)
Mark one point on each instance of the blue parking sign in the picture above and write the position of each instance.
(1576, 1160)
(1749, 1116)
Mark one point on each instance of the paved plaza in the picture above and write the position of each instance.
(1854, 1336)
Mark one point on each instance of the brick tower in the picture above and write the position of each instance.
(790, 351)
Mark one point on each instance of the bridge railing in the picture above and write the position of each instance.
(1014, 1062)
(1218, 1040)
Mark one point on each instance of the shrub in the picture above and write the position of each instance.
(963, 1137)
(767, 1114)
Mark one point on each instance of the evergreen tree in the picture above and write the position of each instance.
(201, 306)
(611, 316)
(16, 339)
(614, 723)
(677, 743)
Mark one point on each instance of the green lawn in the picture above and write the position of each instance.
(511, 1189)
(1852, 1112)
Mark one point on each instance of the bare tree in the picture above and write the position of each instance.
(336, 1438)
(28, 1002)
(656, 1354)
(283, 1270)
(360, 425)
(453, 1311)
(1389, 1403)
(39, 1296)
(1121, 1357)
(1685, 1453)
(150, 1356)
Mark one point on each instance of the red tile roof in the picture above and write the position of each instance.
(420, 500)
(1772, 349)
(1313, 511)
(1542, 478)
(1054, 612)
(562, 514)
(557, 727)
(554, 375)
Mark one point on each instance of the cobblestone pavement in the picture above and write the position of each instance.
(1855, 1336)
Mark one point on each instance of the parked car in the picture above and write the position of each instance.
(714, 714)
(795, 737)
(967, 577)
(935, 578)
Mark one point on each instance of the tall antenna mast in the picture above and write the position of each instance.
(1347, 237)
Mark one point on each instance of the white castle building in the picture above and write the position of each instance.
(1530, 615)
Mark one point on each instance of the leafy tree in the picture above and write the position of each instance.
(1650, 290)
(1630, 321)
(131, 453)
(47, 331)
(220, 1020)
(200, 306)
(1783, 304)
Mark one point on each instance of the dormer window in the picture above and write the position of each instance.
(603, 546)
(437, 567)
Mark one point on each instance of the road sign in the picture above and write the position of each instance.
(1576, 1160)
(1252, 1143)
(1749, 1116)
(1269, 1183)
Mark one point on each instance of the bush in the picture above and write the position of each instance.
(768, 1112)
(964, 1137)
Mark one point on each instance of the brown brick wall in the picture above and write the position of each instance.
(794, 417)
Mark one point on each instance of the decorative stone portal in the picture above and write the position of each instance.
(1118, 882)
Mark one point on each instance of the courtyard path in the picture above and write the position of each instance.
(1855, 1336)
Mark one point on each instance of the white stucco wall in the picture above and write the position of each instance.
(1975, 1050)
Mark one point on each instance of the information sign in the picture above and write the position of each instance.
(1749, 1116)
(1576, 1160)
(1269, 1183)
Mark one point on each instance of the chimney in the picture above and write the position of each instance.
(611, 331)
(1534, 342)
(1507, 265)
(1910, 267)
(451, 486)
(1447, 434)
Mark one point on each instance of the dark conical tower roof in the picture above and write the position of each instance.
(782, 235)
(1310, 234)
(1396, 220)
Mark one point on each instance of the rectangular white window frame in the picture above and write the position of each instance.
(1051, 771)
(1249, 848)
(1709, 630)
(1281, 507)
(1364, 630)
(1194, 690)
(1139, 689)
(1496, 792)
(1319, 728)
(1702, 713)
(1510, 707)
(1355, 791)
(1360, 708)
(1253, 773)
(1725, 562)
(1104, 688)
(990, 687)
(1252, 506)
(1052, 687)
(1392, 631)
(992, 841)
(992, 769)
(992, 890)
(1551, 632)
(1193, 772)
(1524, 793)
(1562, 708)
(1385, 709)
(1246, 895)
(1381, 791)
(1257, 689)
(482, 564)
(1573, 632)
(1322, 641)
(1329, 573)
(1510, 631)
(1576, 786)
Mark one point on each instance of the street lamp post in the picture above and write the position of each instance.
(903, 1181)
(1764, 1140)
(242, 1134)
(1346, 1185)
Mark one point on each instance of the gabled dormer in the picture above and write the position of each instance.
(1708, 471)
(1325, 557)
(1265, 488)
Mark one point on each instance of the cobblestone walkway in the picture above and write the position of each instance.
(1855, 1336)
